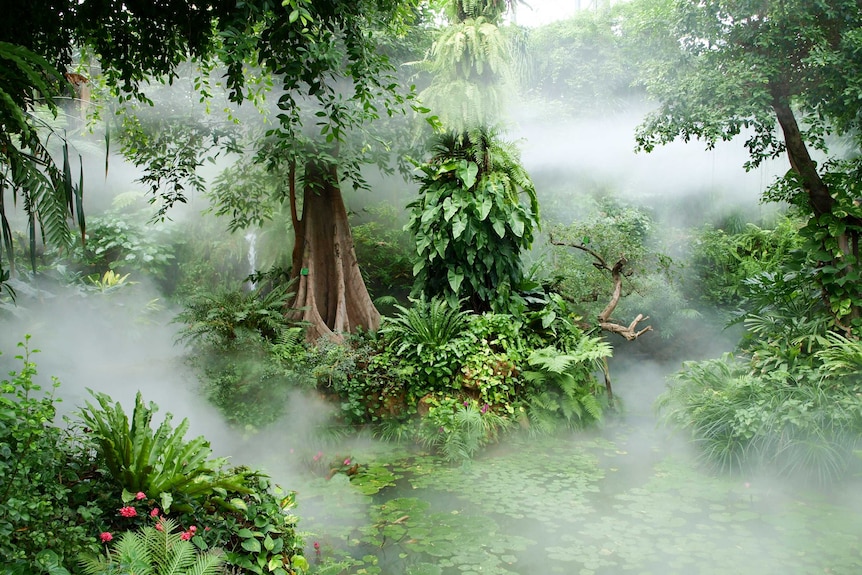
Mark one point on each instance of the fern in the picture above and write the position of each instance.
(569, 392)
(154, 462)
(152, 551)
(425, 324)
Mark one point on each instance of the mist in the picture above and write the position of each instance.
(126, 342)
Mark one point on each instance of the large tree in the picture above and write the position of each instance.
(785, 76)
(323, 54)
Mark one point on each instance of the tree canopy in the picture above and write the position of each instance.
(322, 50)
(785, 76)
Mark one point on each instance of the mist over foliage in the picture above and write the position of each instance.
(386, 251)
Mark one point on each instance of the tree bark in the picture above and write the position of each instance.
(800, 160)
(330, 292)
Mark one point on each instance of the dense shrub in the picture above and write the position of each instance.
(45, 502)
(802, 422)
(68, 491)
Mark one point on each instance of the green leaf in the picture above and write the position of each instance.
(450, 208)
(252, 545)
(167, 499)
(455, 279)
(499, 227)
(485, 208)
(517, 225)
(458, 227)
(467, 172)
(300, 562)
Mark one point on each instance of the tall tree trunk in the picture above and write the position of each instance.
(800, 160)
(819, 196)
(330, 292)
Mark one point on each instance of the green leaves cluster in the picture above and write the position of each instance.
(469, 222)
(218, 318)
(564, 388)
(263, 541)
(159, 462)
(47, 190)
(723, 262)
(803, 424)
(39, 524)
(154, 552)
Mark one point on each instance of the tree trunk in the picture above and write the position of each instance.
(800, 160)
(330, 293)
(819, 196)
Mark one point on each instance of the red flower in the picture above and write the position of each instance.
(186, 535)
(158, 526)
(154, 512)
(140, 495)
(105, 536)
(128, 511)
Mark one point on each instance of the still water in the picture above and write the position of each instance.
(621, 500)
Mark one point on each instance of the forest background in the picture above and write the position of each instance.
(504, 292)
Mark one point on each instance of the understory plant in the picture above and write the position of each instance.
(153, 550)
(159, 462)
(236, 509)
(44, 498)
(459, 429)
(803, 424)
(469, 222)
(564, 387)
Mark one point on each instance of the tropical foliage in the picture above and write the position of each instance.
(42, 519)
(470, 223)
(159, 462)
(159, 550)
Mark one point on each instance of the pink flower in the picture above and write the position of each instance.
(128, 511)
(186, 535)
(318, 456)
(192, 529)
(484, 409)
(347, 461)
(158, 526)
(140, 495)
(154, 512)
(105, 536)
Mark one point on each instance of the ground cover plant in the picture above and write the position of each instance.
(72, 489)
(788, 399)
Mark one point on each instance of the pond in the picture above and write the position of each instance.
(622, 500)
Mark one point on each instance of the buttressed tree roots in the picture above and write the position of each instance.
(331, 296)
